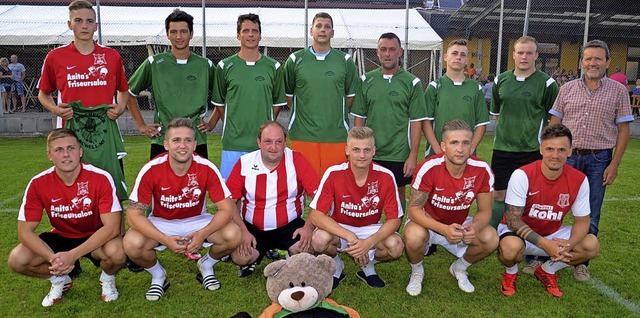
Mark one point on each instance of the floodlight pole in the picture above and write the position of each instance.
(525, 30)
(204, 29)
(498, 60)
(405, 58)
(306, 23)
(586, 23)
(99, 22)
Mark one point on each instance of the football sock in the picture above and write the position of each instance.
(106, 277)
(339, 266)
(207, 263)
(461, 264)
(512, 270)
(369, 269)
(57, 279)
(497, 211)
(157, 273)
(417, 268)
(552, 267)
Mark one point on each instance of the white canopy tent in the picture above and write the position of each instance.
(282, 27)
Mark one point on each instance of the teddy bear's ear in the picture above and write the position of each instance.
(327, 263)
(275, 267)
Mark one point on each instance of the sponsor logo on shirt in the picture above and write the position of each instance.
(191, 78)
(91, 131)
(467, 98)
(329, 73)
(81, 205)
(259, 78)
(544, 212)
(189, 197)
(95, 75)
(368, 207)
(393, 94)
(525, 94)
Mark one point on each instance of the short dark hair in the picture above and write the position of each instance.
(556, 131)
(390, 36)
(525, 39)
(179, 16)
(462, 42)
(251, 17)
(60, 133)
(271, 123)
(322, 15)
(597, 44)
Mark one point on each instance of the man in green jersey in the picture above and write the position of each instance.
(249, 90)
(392, 104)
(320, 83)
(181, 82)
(521, 99)
(454, 96)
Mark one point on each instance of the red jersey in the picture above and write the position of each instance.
(546, 202)
(353, 205)
(178, 197)
(450, 198)
(272, 198)
(92, 79)
(73, 211)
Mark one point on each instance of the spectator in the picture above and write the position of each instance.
(619, 77)
(487, 88)
(18, 73)
(6, 85)
(636, 90)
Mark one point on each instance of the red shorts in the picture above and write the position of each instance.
(321, 155)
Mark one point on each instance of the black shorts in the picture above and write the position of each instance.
(59, 243)
(504, 163)
(279, 238)
(396, 168)
(159, 149)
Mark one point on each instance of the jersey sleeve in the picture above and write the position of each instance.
(306, 174)
(142, 191)
(392, 206)
(431, 100)
(235, 181)
(290, 75)
(220, 85)
(482, 115)
(278, 92)
(121, 77)
(353, 83)
(550, 93)
(216, 188)
(32, 205)
(517, 189)
(488, 180)
(496, 103)
(108, 198)
(47, 82)
(581, 206)
(212, 76)
(323, 200)
(360, 106)
(417, 104)
(422, 179)
(141, 78)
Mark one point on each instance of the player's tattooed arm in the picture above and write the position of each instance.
(417, 198)
(137, 206)
(513, 216)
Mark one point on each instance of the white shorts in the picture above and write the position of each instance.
(181, 227)
(531, 249)
(362, 232)
(456, 249)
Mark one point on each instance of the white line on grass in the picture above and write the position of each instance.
(5, 202)
(622, 199)
(609, 292)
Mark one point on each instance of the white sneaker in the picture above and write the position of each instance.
(109, 290)
(414, 288)
(56, 291)
(463, 280)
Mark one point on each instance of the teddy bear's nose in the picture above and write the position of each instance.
(297, 295)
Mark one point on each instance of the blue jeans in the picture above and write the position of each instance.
(593, 165)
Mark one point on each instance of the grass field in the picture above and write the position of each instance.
(614, 291)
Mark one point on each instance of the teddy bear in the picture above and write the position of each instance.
(299, 286)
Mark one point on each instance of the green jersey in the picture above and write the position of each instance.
(523, 105)
(101, 141)
(180, 89)
(390, 103)
(447, 100)
(248, 91)
(319, 86)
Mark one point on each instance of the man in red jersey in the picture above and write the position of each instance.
(539, 196)
(443, 189)
(355, 193)
(81, 204)
(174, 185)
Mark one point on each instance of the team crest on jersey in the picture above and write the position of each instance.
(82, 201)
(563, 200)
(91, 131)
(192, 190)
(372, 188)
(371, 200)
(99, 59)
(469, 183)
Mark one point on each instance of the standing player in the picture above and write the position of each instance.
(181, 81)
(355, 193)
(272, 183)
(81, 204)
(520, 100)
(174, 184)
(443, 189)
(454, 96)
(391, 102)
(320, 83)
(249, 90)
(539, 196)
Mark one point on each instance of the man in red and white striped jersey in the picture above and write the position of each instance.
(271, 184)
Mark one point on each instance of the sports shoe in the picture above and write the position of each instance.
(247, 270)
(57, 290)
(371, 280)
(414, 288)
(581, 273)
(549, 281)
(109, 290)
(155, 291)
(209, 282)
(463, 279)
(75, 272)
(508, 287)
(531, 267)
(133, 267)
(337, 280)
(272, 254)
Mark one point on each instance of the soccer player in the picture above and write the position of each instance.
(444, 187)
(521, 99)
(320, 83)
(272, 183)
(181, 81)
(391, 103)
(539, 197)
(249, 90)
(174, 184)
(82, 206)
(356, 193)
(454, 96)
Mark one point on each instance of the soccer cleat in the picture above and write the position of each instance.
(414, 288)
(209, 282)
(508, 287)
(247, 270)
(156, 291)
(337, 280)
(549, 281)
(57, 290)
(581, 273)
(371, 280)
(531, 268)
(463, 279)
(272, 254)
(109, 290)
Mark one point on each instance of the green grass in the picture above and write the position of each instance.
(616, 266)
